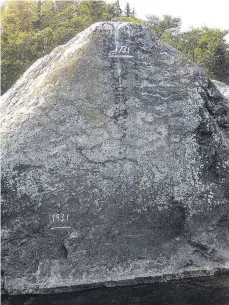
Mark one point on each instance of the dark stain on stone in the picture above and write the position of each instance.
(224, 221)
(216, 104)
(181, 211)
(63, 251)
(24, 167)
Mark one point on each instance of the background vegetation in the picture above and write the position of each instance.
(31, 29)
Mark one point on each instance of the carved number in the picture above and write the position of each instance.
(124, 49)
(59, 218)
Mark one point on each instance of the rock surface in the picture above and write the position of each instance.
(115, 166)
(224, 89)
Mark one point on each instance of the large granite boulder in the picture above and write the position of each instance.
(115, 166)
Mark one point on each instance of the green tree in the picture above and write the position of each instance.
(218, 66)
(166, 24)
(127, 11)
(117, 9)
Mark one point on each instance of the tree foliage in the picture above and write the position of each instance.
(128, 11)
(166, 24)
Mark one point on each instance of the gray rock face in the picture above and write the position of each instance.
(223, 88)
(115, 166)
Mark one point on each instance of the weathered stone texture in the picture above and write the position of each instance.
(224, 89)
(119, 139)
